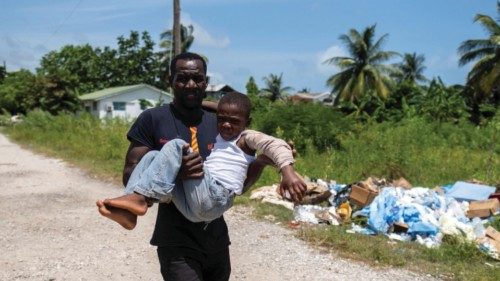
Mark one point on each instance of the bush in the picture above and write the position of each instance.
(303, 123)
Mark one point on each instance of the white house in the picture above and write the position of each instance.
(125, 101)
(217, 91)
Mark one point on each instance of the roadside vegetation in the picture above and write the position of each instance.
(387, 120)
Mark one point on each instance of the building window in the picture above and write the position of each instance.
(119, 105)
(94, 106)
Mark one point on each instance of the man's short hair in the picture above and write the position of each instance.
(187, 56)
(240, 100)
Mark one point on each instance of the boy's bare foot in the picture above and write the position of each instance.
(124, 217)
(135, 203)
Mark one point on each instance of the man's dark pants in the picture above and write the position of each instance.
(213, 267)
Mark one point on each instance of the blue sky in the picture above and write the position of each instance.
(250, 37)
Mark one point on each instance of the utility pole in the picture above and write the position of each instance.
(177, 27)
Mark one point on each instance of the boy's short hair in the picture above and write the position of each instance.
(240, 100)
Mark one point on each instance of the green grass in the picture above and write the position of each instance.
(426, 154)
(98, 146)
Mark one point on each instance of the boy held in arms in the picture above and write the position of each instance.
(225, 170)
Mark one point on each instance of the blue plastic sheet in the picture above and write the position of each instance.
(464, 191)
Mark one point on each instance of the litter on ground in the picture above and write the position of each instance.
(399, 210)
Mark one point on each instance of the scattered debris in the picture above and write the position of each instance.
(399, 210)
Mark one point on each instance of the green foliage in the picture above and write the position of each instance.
(411, 69)
(73, 68)
(5, 118)
(136, 61)
(484, 76)
(144, 103)
(3, 73)
(443, 104)
(427, 154)
(251, 87)
(65, 74)
(302, 123)
(20, 90)
(274, 88)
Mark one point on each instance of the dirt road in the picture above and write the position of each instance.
(50, 230)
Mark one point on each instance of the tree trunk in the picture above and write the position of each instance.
(177, 27)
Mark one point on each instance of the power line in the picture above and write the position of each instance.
(63, 22)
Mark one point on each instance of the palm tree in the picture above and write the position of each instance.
(364, 69)
(167, 41)
(274, 86)
(411, 68)
(484, 77)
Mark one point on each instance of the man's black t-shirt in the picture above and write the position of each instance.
(153, 128)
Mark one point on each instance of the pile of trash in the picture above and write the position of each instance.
(399, 210)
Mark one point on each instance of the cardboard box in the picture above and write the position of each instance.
(361, 196)
(483, 208)
(493, 233)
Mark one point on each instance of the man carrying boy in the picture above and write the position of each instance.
(186, 250)
(225, 170)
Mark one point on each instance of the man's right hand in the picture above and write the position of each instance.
(192, 165)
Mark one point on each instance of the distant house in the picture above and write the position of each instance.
(323, 98)
(125, 102)
(217, 91)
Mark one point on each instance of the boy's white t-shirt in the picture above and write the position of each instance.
(228, 164)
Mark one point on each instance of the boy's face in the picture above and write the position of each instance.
(230, 121)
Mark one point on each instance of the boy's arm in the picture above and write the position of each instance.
(210, 105)
(292, 183)
(281, 155)
(276, 149)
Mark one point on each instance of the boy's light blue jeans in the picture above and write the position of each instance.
(197, 199)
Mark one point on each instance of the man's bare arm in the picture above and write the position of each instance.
(134, 154)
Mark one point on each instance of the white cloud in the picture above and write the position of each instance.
(333, 51)
(18, 53)
(202, 36)
(443, 62)
(216, 77)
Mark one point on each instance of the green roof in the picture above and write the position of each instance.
(109, 92)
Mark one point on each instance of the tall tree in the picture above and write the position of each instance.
(274, 86)
(484, 77)
(137, 61)
(74, 66)
(364, 70)
(411, 69)
(251, 87)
